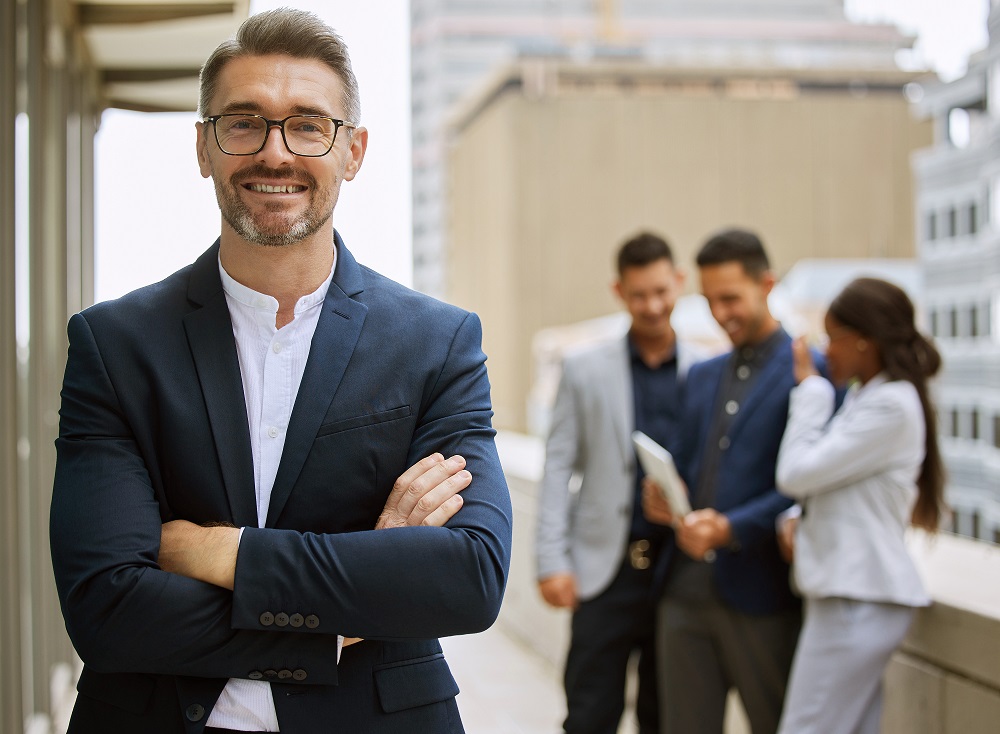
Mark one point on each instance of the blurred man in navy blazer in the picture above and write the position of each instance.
(246, 447)
(727, 617)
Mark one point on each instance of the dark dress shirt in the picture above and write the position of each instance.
(656, 400)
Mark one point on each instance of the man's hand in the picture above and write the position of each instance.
(654, 504)
(702, 531)
(426, 493)
(559, 590)
(204, 553)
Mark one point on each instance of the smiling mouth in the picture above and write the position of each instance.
(265, 189)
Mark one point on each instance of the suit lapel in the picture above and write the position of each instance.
(620, 398)
(213, 347)
(333, 344)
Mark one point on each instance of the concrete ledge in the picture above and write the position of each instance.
(945, 678)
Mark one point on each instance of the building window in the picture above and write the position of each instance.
(934, 322)
(953, 330)
(973, 218)
(952, 222)
(974, 321)
(996, 431)
(956, 423)
(974, 434)
(932, 227)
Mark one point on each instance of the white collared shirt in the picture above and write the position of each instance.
(272, 362)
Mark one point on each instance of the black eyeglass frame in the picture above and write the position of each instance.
(280, 124)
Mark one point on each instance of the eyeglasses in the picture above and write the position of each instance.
(306, 135)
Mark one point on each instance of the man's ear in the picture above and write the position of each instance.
(359, 144)
(767, 281)
(616, 288)
(201, 148)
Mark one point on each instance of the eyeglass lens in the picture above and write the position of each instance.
(245, 134)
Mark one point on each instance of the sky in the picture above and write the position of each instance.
(155, 214)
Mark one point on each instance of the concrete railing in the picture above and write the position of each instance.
(944, 680)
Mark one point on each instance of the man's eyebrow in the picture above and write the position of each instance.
(241, 107)
(308, 110)
(256, 108)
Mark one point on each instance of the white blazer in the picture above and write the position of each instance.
(590, 442)
(855, 477)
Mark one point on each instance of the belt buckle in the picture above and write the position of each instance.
(638, 555)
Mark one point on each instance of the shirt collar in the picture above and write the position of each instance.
(636, 357)
(269, 304)
(760, 352)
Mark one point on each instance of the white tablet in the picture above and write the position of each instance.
(658, 464)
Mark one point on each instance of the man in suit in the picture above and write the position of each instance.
(595, 550)
(231, 438)
(727, 617)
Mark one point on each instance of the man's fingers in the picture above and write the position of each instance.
(426, 483)
(444, 513)
(407, 478)
(425, 493)
(435, 499)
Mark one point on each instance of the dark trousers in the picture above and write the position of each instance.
(605, 632)
(706, 648)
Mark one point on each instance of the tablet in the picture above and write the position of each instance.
(658, 464)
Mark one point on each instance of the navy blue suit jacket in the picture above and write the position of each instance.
(154, 428)
(750, 576)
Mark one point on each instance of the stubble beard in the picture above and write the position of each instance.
(268, 227)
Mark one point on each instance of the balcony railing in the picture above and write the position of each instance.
(945, 679)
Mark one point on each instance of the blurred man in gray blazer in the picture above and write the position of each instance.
(595, 550)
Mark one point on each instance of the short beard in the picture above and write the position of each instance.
(239, 216)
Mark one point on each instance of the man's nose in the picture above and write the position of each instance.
(274, 150)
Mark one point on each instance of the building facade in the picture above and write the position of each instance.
(957, 184)
(457, 45)
(557, 163)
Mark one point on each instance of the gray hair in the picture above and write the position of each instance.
(290, 32)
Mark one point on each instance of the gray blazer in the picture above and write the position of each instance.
(855, 477)
(585, 532)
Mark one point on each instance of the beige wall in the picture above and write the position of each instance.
(544, 189)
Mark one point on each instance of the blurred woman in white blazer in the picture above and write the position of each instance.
(860, 478)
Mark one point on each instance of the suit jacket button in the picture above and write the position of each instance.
(269, 674)
(281, 619)
(296, 620)
(284, 674)
(194, 712)
(267, 619)
(312, 621)
(299, 674)
(255, 675)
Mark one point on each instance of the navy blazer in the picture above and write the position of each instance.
(750, 576)
(154, 428)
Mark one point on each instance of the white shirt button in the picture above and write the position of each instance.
(732, 407)
(276, 347)
(272, 432)
(724, 443)
(743, 372)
